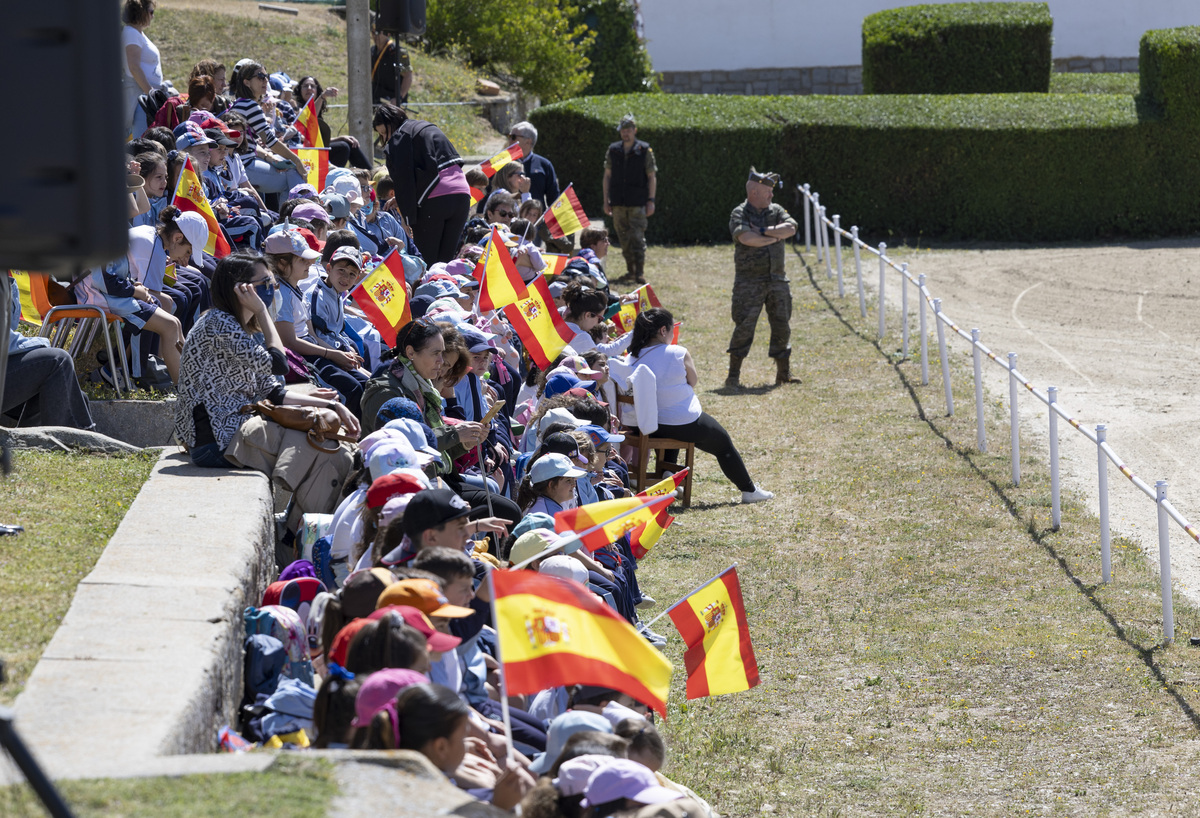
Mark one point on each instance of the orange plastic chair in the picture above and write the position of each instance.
(59, 320)
(640, 472)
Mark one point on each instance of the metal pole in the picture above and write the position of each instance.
(941, 331)
(358, 73)
(807, 221)
(924, 333)
(977, 360)
(483, 469)
(837, 248)
(1055, 510)
(862, 296)
(1164, 562)
(1014, 419)
(11, 742)
(825, 241)
(882, 288)
(904, 310)
(1105, 535)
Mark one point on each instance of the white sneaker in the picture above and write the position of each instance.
(646, 602)
(756, 496)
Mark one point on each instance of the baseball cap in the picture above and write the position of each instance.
(532, 543)
(622, 778)
(564, 567)
(561, 382)
(395, 484)
(335, 205)
(310, 211)
(439, 289)
(562, 728)
(396, 453)
(599, 434)
(414, 431)
(565, 444)
(341, 642)
(347, 187)
(441, 642)
(191, 137)
(477, 341)
(574, 773)
(302, 191)
(380, 689)
(290, 241)
(552, 465)
(537, 520)
(432, 508)
(422, 594)
(219, 137)
(627, 121)
(195, 230)
(348, 252)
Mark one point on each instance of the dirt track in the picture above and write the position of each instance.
(1113, 328)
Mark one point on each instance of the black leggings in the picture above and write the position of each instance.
(341, 154)
(437, 230)
(710, 436)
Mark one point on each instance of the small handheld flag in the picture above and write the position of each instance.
(383, 298)
(512, 153)
(598, 524)
(565, 216)
(189, 197)
(476, 196)
(308, 126)
(316, 166)
(538, 324)
(500, 284)
(712, 621)
(555, 264)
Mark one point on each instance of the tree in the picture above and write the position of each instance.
(621, 64)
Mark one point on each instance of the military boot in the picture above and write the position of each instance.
(783, 370)
(639, 269)
(735, 371)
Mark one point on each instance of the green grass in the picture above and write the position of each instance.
(927, 644)
(293, 786)
(69, 504)
(312, 43)
(1112, 83)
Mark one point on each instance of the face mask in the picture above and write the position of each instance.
(268, 294)
(367, 210)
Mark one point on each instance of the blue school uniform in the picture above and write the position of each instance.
(327, 314)
(111, 288)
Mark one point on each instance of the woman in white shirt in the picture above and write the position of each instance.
(679, 413)
(143, 67)
(585, 308)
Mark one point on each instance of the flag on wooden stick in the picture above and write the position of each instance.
(712, 621)
(565, 216)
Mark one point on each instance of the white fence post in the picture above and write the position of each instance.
(904, 310)
(924, 334)
(882, 287)
(807, 220)
(1014, 419)
(977, 360)
(1105, 536)
(837, 248)
(1055, 509)
(1164, 562)
(816, 217)
(825, 241)
(941, 331)
(862, 296)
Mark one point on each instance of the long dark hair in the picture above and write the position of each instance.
(581, 298)
(390, 116)
(238, 85)
(428, 712)
(386, 642)
(318, 90)
(234, 269)
(647, 325)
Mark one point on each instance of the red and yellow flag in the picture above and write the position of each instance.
(645, 536)
(316, 166)
(598, 524)
(556, 632)
(555, 263)
(512, 153)
(566, 217)
(712, 621)
(476, 196)
(629, 312)
(190, 198)
(383, 298)
(306, 124)
(499, 282)
(647, 298)
(538, 324)
(29, 311)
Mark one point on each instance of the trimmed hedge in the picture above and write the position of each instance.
(1000, 167)
(958, 48)
(1169, 63)
(1087, 83)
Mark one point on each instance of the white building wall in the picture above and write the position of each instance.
(703, 35)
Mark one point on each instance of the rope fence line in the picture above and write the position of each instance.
(820, 231)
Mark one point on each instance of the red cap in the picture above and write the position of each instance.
(311, 239)
(441, 642)
(341, 642)
(392, 485)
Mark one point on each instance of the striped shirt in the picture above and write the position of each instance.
(259, 127)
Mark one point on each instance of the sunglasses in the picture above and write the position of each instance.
(505, 214)
(259, 76)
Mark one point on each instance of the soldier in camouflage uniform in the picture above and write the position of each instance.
(759, 229)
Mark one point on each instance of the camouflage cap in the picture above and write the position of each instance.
(627, 121)
(771, 179)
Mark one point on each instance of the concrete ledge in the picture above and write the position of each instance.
(141, 423)
(148, 660)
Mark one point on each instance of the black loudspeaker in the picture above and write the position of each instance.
(401, 16)
(63, 202)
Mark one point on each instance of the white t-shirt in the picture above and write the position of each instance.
(582, 342)
(345, 530)
(677, 401)
(149, 58)
(295, 309)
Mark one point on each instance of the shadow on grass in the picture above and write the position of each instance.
(1038, 535)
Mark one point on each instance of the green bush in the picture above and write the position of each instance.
(536, 41)
(1113, 83)
(1169, 63)
(958, 48)
(619, 60)
(999, 167)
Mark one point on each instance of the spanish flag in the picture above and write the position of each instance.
(190, 198)
(316, 166)
(555, 632)
(499, 282)
(538, 324)
(383, 298)
(512, 153)
(566, 217)
(647, 298)
(647, 535)
(598, 524)
(625, 317)
(555, 263)
(666, 485)
(712, 621)
(306, 124)
(476, 196)
(29, 311)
